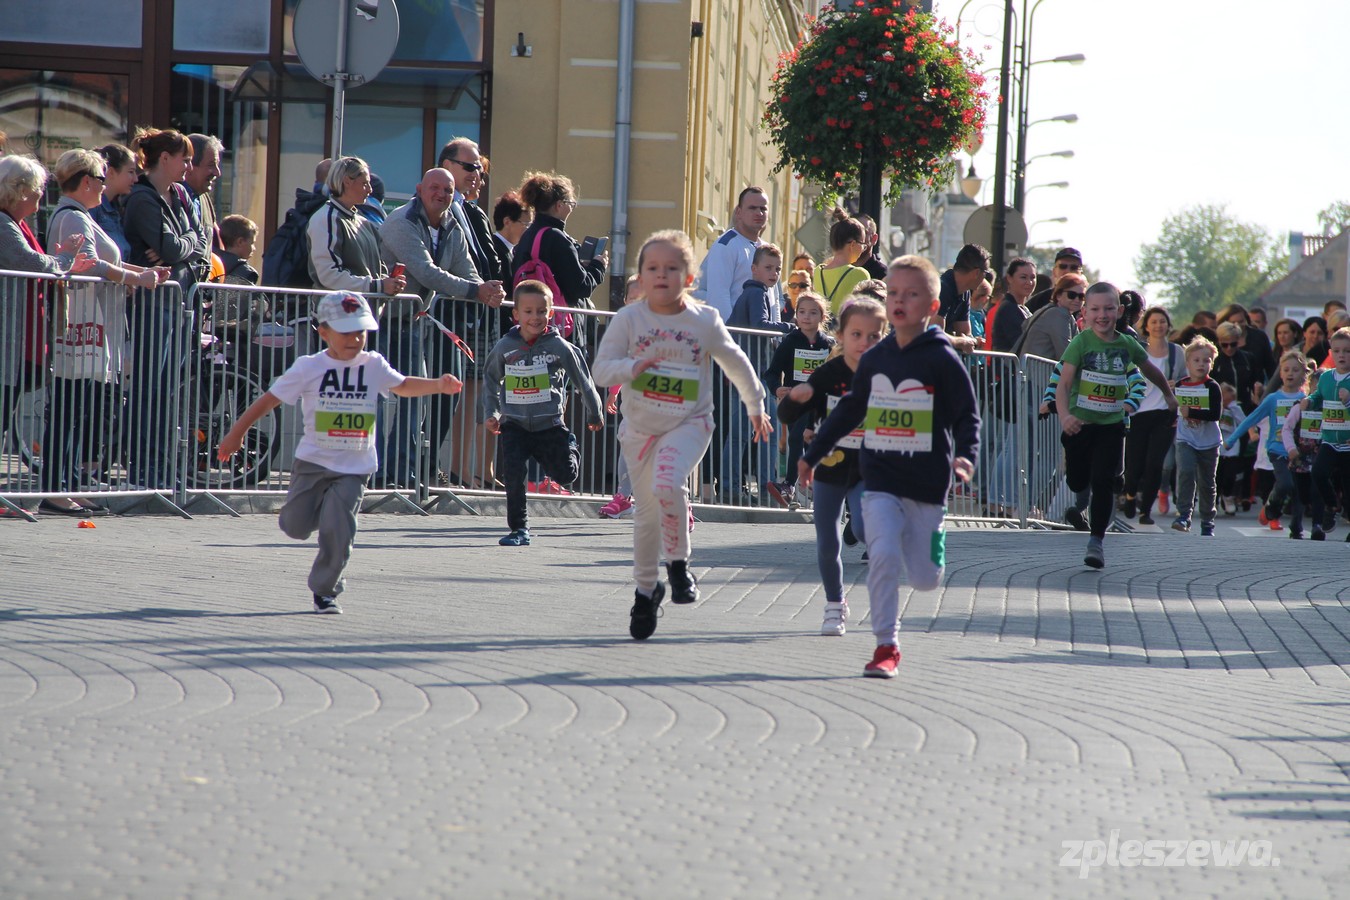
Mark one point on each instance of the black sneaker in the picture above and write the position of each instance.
(1318, 534)
(646, 610)
(519, 537)
(327, 605)
(1295, 535)
(1127, 509)
(849, 537)
(1145, 519)
(683, 584)
(1074, 516)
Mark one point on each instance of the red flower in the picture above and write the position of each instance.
(868, 106)
(821, 91)
(815, 160)
(831, 121)
(923, 142)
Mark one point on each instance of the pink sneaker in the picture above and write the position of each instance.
(549, 486)
(884, 662)
(617, 507)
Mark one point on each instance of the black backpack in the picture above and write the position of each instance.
(286, 259)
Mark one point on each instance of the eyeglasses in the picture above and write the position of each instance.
(1224, 344)
(569, 203)
(1075, 295)
(101, 178)
(801, 285)
(467, 166)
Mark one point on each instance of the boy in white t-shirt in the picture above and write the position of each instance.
(339, 391)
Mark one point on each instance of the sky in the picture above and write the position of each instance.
(1180, 103)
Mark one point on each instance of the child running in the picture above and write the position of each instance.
(862, 322)
(621, 504)
(661, 349)
(525, 397)
(1302, 435)
(1272, 411)
(1090, 402)
(339, 391)
(1199, 404)
(917, 406)
(1333, 456)
(800, 354)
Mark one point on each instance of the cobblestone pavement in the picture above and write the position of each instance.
(175, 722)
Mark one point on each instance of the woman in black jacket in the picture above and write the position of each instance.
(553, 199)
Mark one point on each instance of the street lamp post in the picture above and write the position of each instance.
(1000, 226)
(1019, 170)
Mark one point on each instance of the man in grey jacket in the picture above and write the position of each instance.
(431, 246)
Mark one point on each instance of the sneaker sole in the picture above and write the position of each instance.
(330, 611)
(880, 673)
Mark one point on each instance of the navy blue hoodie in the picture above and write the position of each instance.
(927, 374)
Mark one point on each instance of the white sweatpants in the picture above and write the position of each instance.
(659, 466)
(902, 535)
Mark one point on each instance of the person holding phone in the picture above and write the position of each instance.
(553, 198)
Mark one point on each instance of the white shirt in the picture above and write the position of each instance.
(725, 270)
(338, 401)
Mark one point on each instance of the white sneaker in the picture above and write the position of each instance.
(836, 617)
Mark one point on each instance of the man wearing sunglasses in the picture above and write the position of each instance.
(1068, 261)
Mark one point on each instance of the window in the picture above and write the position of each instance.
(118, 22)
(46, 113)
(236, 26)
(430, 30)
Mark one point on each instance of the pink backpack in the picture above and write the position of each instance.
(538, 270)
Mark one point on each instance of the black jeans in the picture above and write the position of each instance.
(555, 449)
(1151, 436)
(1094, 458)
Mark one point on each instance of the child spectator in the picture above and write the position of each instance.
(525, 396)
(1199, 405)
(753, 309)
(621, 504)
(661, 349)
(1230, 460)
(801, 353)
(862, 323)
(917, 406)
(1090, 402)
(1272, 411)
(339, 389)
(239, 237)
(1333, 457)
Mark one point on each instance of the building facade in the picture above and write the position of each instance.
(83, 73)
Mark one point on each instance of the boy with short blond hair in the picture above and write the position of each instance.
(1199, 405)
(921, 423)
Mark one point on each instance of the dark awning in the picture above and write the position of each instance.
(422, 88)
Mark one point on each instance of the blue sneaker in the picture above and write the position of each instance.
(517, 538)
(1181, 524)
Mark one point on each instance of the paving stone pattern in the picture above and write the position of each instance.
(174, 722)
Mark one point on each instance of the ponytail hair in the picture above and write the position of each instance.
(152, 143)
(845, 229)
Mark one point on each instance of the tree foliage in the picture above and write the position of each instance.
(1205, 258)
(874, 80)
(1335, 218)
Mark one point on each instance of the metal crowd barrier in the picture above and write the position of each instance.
(136, 389)
(90, 380)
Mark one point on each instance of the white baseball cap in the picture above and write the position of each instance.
(346, 312)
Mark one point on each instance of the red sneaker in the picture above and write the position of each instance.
(1162, 503)
(1261, 518)
(884, 662)
(1275, 525)
(549, 486)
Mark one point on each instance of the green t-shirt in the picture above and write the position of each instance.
(1099, 386)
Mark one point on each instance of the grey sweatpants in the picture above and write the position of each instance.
(902, 534)
(1196, 467)
(327, 501)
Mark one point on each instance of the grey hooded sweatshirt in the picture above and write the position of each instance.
(513, 381)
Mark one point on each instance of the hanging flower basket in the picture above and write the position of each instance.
(874, 79)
